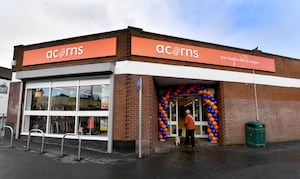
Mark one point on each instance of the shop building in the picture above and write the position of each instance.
(88, 86)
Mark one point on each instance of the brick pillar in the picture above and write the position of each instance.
(126, 111)
(13, 105)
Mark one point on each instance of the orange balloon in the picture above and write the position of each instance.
(161, 123)
(214, 107)
(209, 115)
(211, 135)
(160, 108)
(160, 136)
(165, 115)
(207, 101)
(217, 128)
(211, 119)
(214, 139)
(214, 123)
(208, 130)
(211, 103)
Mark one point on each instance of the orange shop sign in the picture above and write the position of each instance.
(181, 52)
(74, 51)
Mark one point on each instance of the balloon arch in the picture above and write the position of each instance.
(208, 99)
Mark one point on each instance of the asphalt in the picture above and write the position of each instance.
(275, 160)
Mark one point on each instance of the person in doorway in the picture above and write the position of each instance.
(189, 124)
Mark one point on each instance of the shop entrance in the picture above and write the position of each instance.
(178, 105)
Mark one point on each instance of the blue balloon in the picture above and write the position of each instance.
(216, 134)
(213, 130)
(209, 138)
(204, 96)
(211, 127)
(209, 123)
(215, 115)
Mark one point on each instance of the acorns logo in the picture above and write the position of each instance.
(176, 51)
(64, 52)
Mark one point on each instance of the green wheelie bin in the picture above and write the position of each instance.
(255, 134)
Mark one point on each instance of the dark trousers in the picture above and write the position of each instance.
(190, 133)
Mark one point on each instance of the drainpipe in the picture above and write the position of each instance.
(255, 95)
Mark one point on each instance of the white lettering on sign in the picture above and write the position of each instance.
(64, 52)
(176, 51)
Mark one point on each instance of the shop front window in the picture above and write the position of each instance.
(94, 97)
(37, 99)
(36, 122)
(63, 99)
(59, 107)
(62, 124)
(93, 125)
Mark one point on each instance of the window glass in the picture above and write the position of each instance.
(84, 103)
(63, 98)
(93, 126)
(37, 122)
(62, 124)
(94, 97)
(37, 99)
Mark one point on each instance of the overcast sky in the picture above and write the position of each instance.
(272, 25)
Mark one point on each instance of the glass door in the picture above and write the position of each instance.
(200, 121)
(173, 121)
(178, 106)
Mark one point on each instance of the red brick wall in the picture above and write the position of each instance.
(278, 108)
(13, 104)
(126, 108)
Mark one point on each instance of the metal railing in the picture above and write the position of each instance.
(62, 144)
(43, 138)
(11, 134)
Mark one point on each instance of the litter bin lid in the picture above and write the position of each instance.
(255, 124)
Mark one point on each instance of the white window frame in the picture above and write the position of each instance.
(65, 83)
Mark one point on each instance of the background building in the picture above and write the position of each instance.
(5, 77)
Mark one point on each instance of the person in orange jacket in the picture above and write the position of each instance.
(189, 124)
